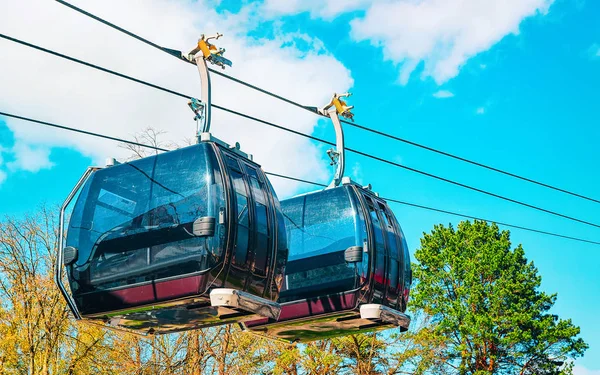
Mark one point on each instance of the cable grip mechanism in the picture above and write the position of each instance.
(210, 52)
(334, 156)
(341, 107)
(198, 107)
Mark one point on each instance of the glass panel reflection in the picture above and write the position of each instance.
(134, 222)
(320, 226)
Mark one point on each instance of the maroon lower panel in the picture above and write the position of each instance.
(311, 307)
(160, 291)
(106, 301)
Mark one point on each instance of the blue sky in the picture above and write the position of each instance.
(525, 102)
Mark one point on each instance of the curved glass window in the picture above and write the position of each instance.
(407, 268)
(134, 222)
(393, 261)
(320, 227)
(380, 250)
(262, 253)
(282, 254)
(243, 222)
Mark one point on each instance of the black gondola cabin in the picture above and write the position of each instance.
(348, 269)
(149, 240)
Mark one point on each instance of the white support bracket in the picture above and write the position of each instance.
(246, 302)
(384, 314)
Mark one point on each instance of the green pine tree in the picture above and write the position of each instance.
(486, 311)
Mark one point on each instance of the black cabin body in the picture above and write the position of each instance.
(180, 240)
(348, 269)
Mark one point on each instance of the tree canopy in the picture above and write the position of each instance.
(477, 309)
(485, 310)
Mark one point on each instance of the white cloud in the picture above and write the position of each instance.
(29, 158)
(55, 90)
(443, 94)
(2, 177)
(580, 370)
(317, 8)
(480, 110)
(357, 173)
(441, 34)
(594, 51)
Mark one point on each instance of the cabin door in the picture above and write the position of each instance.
(379, 251)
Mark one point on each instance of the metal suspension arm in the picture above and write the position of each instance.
(205, 51)
(333, 110)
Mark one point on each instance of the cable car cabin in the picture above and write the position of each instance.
(348, 269)
(180, 240)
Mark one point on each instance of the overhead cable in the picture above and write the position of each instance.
(312, 110)
(45, 123)
(454, 213)
(256, 119)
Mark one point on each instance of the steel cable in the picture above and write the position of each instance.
(45, 123)
(243, 115)
(312, 110)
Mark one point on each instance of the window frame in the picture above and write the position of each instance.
(250, 173)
